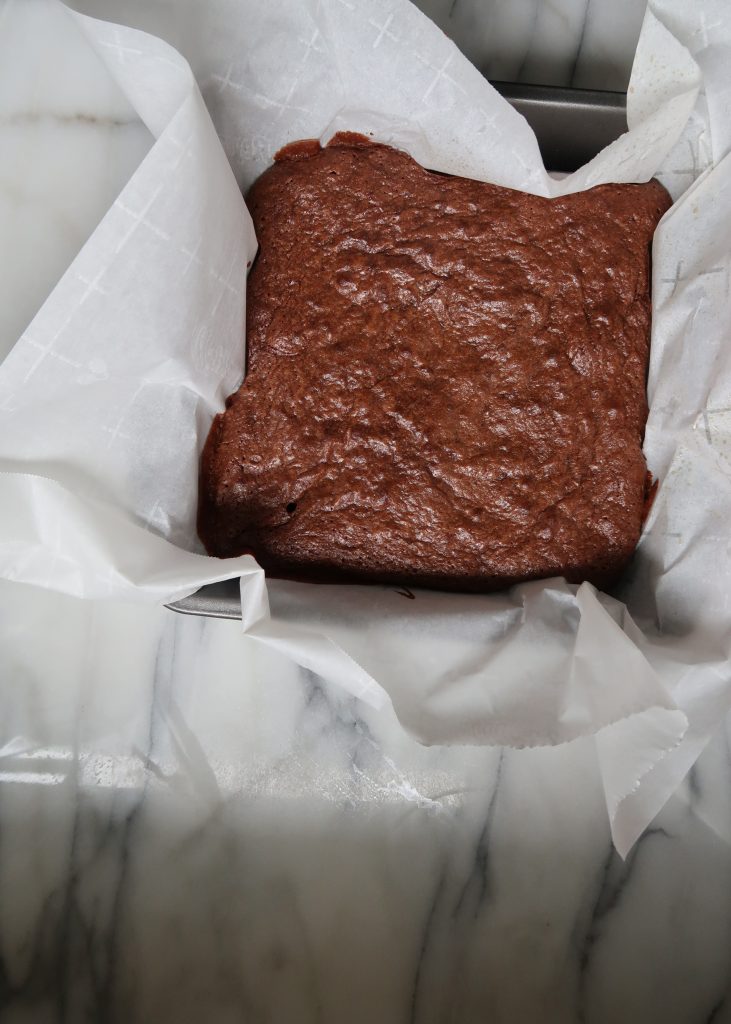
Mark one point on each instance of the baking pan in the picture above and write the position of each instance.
(572, 126)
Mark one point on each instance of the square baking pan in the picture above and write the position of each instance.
(572, 126)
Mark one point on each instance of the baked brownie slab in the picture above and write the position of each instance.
(446, 379)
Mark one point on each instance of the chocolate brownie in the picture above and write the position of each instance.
(446, 379)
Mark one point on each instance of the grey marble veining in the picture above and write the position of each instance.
(179, 842)
(192, 829)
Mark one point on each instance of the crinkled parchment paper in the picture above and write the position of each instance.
(106, 399)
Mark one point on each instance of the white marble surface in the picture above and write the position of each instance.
(193, 829)
(70, 141)
(183, 840)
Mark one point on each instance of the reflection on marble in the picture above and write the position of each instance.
(191, 829)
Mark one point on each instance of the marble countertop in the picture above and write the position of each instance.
(192, 828)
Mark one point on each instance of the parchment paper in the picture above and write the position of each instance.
(106, 399)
